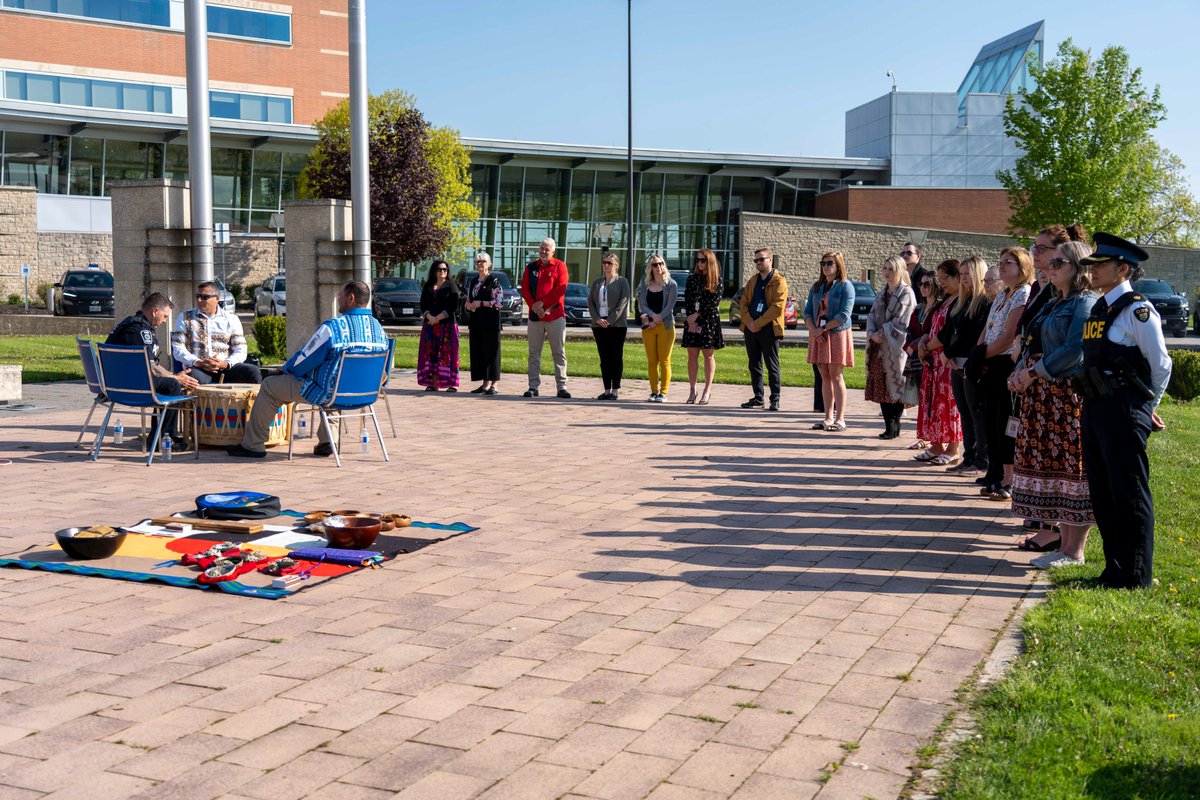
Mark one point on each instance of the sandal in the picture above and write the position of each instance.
(1001, 494)
(944, 460)
(926, 456)
(1030, 546)
(1033, 526)
(919, 444)
(820, 426)
(691, 397)
(836, 426)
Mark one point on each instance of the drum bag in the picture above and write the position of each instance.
(237, 506)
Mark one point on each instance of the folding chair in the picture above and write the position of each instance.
(91, 374)
(126, 379)
(387, 378)
(356, 385)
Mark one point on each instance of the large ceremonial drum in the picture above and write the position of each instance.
(223, 409)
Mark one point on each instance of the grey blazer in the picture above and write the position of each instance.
(670, 295)
(618, 302)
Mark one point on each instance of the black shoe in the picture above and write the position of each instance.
(452, 389)
(563, 394)
(753, 402)
(180, 445)
(431, 388)
(984, 480)
(530, 393)
(323, 449)
(774, 406)
(237, 451)
(490, 391)
(478, 390)
(604, 396)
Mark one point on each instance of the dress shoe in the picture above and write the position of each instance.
(490, 391)
(478, 390)
(237, 451)
(563, 394)
(323, 449)
(530, 393)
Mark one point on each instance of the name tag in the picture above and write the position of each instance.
(760, 308)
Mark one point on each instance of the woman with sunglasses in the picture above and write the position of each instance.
(1049, 482)
(827, 317)
(930, 295)
(608, 307)
(886, 329)
(968, 313)
(656, 309)
(702, 296)
(940, 424)
(437, 356)
(484, 293)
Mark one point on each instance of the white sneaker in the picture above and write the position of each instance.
(1055, 559)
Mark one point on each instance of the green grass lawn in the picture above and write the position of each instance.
(1105, 701)
(54, 358)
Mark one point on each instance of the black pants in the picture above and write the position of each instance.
(170, 417)
(970, 410)
(892, 411)
(610, 344)
(1114, 432)
(997, 408)
(238, 373)
(762, 346)
(818, 398)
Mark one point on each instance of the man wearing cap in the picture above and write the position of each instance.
(1125, 372)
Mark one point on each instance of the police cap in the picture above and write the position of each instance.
(1109, 247)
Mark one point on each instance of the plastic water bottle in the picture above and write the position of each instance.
(366, 444)
(119, 433)
(167, 449)
(302, 428)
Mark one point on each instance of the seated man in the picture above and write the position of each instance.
(309, 375)
(138, 330)
(209, 340)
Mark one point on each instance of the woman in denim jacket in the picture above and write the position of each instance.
(1049, 482)
(827, 317)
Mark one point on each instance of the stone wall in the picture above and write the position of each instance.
(800, 241)
(247, 261)
(18, 237)
(58, 252)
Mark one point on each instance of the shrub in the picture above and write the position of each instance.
(235, 289)
(1185, 375)
(248, 293)
(14, 299)
(271, 333)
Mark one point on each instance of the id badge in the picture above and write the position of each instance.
(760, 308)
(697, 304)
(1013, 427)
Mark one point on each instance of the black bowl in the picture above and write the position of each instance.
(88, 548)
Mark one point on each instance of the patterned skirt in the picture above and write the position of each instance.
(832, 348)
(877, 389)
(437, 357)
(937, 413)
(1049, 482)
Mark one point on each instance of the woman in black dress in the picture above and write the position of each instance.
(483, 304)
(702, 297)
(437, 356)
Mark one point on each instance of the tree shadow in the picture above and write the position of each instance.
(1144, 780)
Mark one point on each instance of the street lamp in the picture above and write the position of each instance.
(629, 75)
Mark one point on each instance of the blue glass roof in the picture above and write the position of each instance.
(1002, 66)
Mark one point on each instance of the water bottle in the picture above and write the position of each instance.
(302, 428)
(119, 433)
(167, 449)
(366, 443)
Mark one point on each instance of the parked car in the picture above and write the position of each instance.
(1171, 305)
(270, 299)
(791, 312)
(681, 278)
(864, 297)
(575, 304)
(85, 291)
(1196, 317)
(396, 300)
(511, 306)
(226, 299)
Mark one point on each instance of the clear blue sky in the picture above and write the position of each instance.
(755, 76)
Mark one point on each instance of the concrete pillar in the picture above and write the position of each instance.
(151, 222)
(319, 253)
(18, 239)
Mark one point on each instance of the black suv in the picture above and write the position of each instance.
(511, 305)
(85, 291)
(1171, 305)
(864, 298)
(396, 300)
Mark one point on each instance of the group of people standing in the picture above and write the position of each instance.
(1037, 377)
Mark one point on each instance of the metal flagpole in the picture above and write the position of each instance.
(360, 170)
(629, 74)
(195, 25)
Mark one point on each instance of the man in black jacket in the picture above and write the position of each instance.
(139, 330)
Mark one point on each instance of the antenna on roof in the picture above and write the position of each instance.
(892, 75)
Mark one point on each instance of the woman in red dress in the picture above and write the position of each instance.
(937, 418)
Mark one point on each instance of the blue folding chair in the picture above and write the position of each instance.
(91, 374)
(356, 385)
(126, 379)
(387, 378)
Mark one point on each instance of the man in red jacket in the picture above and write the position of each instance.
(544, 285)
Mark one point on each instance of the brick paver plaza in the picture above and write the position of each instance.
(663, 601)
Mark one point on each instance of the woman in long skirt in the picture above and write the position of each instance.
(887, 327)
(437, 357)
(484, 293)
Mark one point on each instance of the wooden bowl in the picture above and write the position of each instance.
(316, 516)
(385, 520)
(401, 520)
(351, 533)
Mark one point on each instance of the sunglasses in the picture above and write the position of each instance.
(907, 253)
(482, 262)
(1057, 262)
(701, 260)
(828, 263)
(441, 269)
(926, 284)
(759, 260)
(206, 296)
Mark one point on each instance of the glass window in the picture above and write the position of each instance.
(546, 193)
(135, 97)
(716, 208)
(748, 194)
(231, 178)
(41, 89)
(177, 163)
(249, 24)
(252, 107)
(223, 105)
(265, 192)
(106, 94)
(279, 109)
(611, 189)
(14, 85)
(87, 164)
(130, 161)
(650, 199)
(484, 179)
(74, 92)
(583, 184)
(681, 199)
(293, 165)
(142, 12)
(511, 180)
(31, 159)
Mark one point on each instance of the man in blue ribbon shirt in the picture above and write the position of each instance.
(309, 375)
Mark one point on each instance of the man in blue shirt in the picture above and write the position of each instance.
(309, 375)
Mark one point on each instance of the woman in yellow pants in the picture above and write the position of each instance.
(656, 312)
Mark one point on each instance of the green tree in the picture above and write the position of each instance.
(1089, 152)
(419, 180)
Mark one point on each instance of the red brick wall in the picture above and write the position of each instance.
(975, 210)
(98, 45)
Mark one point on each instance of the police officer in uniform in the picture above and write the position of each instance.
(1125, 371)
(139, 330)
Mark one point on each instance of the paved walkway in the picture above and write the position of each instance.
(664, 601)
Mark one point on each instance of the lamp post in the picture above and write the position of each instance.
(629, 96)
(360, 170)
(195, 30)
